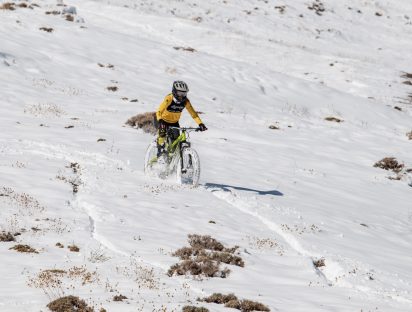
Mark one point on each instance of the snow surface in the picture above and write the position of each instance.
(287, 197)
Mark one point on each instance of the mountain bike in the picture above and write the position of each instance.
(179, 158)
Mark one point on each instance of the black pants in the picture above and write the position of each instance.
(173, 134)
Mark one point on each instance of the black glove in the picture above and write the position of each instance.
(162, 124)
(202, 127)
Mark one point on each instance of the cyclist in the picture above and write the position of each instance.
(168, 114)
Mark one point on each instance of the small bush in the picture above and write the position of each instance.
(335, 119)
(194, 309)
(204, 258)
(69, 18)
(204, 242)
(119, 298)
(52, 12)
(146, 121)
(219, 298)
(231, 301)
(248, 305)
(69, 304)
(188, 49)
(73, 248)
(409, 135)
(24, 248)
(47, 29)
(112, 88)
(389, 163)
(8, 6)
(319, 263)
(407, 75)
(6, 237)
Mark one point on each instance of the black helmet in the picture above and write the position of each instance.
(180, 90)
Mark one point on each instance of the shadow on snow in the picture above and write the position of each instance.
(227, 188)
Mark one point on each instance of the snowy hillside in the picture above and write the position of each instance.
(301, 98)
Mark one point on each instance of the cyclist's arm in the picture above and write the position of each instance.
(192, 112)
(166, 102)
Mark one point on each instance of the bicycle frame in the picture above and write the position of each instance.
(177, 144)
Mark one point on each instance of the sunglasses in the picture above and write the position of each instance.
(181, 93)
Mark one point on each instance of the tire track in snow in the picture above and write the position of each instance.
(331, 274)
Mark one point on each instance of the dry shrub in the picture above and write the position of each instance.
(53, 12)
(231, 301)
(112, 88)
(69, 304)
(319, 263)
(409, 135)
(318, 7)
(204, 242)
(188, 49)
(335, 119)
(119, 298)
(248, 305)
(204, 258)
(407, 75)
(195, 267)
(23, 5)
(6, 237)
(73, 248)
(146, 121)
(47, 29)
(8, 6)
(194, 309)
(69, 18)
(389, 163)
(24, 248)
(219, 298)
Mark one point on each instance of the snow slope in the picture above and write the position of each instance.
(286, 197)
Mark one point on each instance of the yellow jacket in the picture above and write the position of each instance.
(170, 111)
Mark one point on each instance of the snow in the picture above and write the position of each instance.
(286, 197)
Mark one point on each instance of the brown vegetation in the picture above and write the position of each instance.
(188, 49)
(69, 18)
(73, 248)
(204, 257)
(47, 29)
(146, 121)
(409, 135)
(319, 263)
(8, 6)
(112, 88)
(407, 75)
(24, 248)
(6, 237)
(318, 7)
(231, 301)
(53, 12)
(335, 119)
(69, 304)
(119, 298)
(194, 309)
(389, 163)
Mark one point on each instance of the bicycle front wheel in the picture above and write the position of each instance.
(188, 170)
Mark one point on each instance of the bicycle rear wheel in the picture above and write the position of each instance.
(189, 174)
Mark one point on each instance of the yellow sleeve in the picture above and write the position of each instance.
(166, 102)
(192, 112)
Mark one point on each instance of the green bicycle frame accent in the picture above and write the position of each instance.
(172, 147)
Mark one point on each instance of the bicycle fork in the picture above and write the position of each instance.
(183, 170)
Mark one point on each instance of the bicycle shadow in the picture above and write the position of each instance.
(227, 188)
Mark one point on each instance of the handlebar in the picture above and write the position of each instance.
(185, 128)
